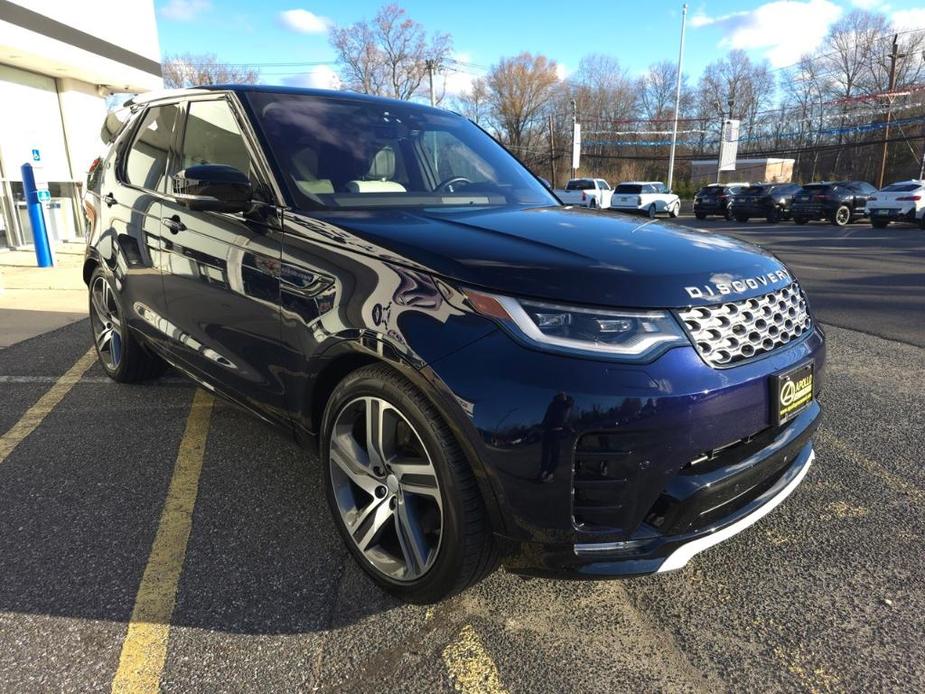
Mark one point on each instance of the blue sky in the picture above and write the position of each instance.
(636, 33)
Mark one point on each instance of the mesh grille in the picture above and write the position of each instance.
(739, 330)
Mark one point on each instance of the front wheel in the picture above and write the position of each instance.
(773, 216)
(675, 210)
(401, 491)
(728, 215)
(123, 358)
(842, 216)
(651, 211)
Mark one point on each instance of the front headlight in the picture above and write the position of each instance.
(624, 334)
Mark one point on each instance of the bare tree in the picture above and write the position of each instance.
(656, 91)
(520, 89)
(474, 104)
(388, 56)
(188, 70)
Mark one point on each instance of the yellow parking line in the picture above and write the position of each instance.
(35, 414)
(470, 666)
(145, 647)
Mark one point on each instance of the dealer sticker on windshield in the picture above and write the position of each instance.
(791, 391)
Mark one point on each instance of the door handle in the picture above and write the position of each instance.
(110, 199)
(173, 224)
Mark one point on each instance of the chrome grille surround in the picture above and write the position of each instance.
(738, 330)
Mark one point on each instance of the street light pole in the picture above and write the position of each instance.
(431, 65)
(677, 99)
(574, 122)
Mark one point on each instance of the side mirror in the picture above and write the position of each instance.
(213, 187)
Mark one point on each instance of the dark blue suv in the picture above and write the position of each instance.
(486, 376)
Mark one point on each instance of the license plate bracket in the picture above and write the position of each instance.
(791, 392)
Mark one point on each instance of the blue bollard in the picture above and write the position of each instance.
(36, 218)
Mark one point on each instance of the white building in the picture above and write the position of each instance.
(59, 61)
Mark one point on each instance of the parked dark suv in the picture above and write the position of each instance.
(485, 374)
(770, 201)
(714, 200)
(840, 202)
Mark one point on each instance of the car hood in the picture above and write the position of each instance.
(559, 254)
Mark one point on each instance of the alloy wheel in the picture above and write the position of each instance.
(842, 215)
(386, 488)
(107, 323)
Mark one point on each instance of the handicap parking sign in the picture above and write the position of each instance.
(43, 195)
(36, 155)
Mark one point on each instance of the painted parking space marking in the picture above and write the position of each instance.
(34, 416)
(470, 666)
(93, 380)
(144, 650)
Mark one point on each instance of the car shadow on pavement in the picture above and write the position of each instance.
(81, 498)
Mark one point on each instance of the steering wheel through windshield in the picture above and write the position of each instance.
(447, 185)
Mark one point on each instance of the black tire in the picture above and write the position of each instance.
(841, 217)
(135, 363)
(675, 211)
(773, 216)
(742, 219)
(467, 551)
(700, 215)
(651, 211)
(800, 220)
(727, 215)
(593, 204)
(879, 223)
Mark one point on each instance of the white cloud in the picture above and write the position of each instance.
(304, 22)
(784, 29)
(905, 20)
(184, 10)
(319, 77)
(458, 78)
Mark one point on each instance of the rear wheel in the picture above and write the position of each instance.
(593, 204)
(401, 491)
(728, 215)
(842, 216)
(651, 211)
(123, 358)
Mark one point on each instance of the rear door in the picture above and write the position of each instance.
(130, 199)
(221, 279)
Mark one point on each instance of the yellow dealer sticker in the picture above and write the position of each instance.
(791, 392)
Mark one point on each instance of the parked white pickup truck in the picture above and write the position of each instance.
(586, 192)
(650, 197)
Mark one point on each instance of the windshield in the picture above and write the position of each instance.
(580, 184)
(757, 190)
(711, 190)
(348, 153)
(628, 188)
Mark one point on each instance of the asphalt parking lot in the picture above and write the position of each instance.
(825, 594)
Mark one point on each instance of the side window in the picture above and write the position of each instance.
(146, 163)
(212, 136)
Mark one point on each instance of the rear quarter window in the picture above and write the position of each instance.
(146, 160)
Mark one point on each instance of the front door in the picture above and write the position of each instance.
(221, 279)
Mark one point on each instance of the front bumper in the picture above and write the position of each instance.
(644, 496)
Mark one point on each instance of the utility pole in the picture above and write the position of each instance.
(552, 152)
(574, 122)
(894, 55)
(431, 66)
(677, 100)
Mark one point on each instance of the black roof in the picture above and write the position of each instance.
(323, 93)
